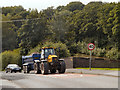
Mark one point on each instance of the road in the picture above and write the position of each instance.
(67, 80)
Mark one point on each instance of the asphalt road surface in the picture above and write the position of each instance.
(67, 80)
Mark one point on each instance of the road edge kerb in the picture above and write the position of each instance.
(94, 74)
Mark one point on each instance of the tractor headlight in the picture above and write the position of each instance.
(51, 63)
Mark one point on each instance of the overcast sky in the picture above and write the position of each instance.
(43, 4)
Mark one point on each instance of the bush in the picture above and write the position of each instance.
(99, 52)
(73, 48)
(64, 52)
(113, 54)
(82, 48)
(36, 49)
(11, 57)
(118, 55)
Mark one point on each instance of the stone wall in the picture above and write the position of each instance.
(96, 63)
(69, 62)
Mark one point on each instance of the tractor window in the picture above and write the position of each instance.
(49, 51)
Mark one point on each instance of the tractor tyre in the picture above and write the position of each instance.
(37, 68)
(26, 70)
(44, 68)
(53, 70)
(62, 67)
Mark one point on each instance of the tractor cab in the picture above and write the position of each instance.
(48, 53)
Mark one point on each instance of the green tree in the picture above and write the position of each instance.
(32, 32)
(72, 6)
(58, 26)
(13, 10)
(9, 36)
(114, 26)
(10, 57)
(61, 49)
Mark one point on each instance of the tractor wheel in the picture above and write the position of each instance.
(26, 70)
(62, 67)
(37, 68)
(44, 68)
(53, 70)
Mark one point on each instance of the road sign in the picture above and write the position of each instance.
(91, 46)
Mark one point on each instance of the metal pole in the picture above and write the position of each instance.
(90, 60)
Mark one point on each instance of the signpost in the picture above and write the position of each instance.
(91, 47)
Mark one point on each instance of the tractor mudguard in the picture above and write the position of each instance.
(43, 60)
(36, 61)
(61, 59)
(25, 64)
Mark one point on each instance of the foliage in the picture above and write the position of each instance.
(35, 49)
(99, 52)
(113, 54)
(61, 48)
(82, 48)
(58, 26)
(72, 6)
(9, 36)
(11, 57)
(73, 48)
(70, 27)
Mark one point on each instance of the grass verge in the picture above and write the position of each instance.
(116, 69)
